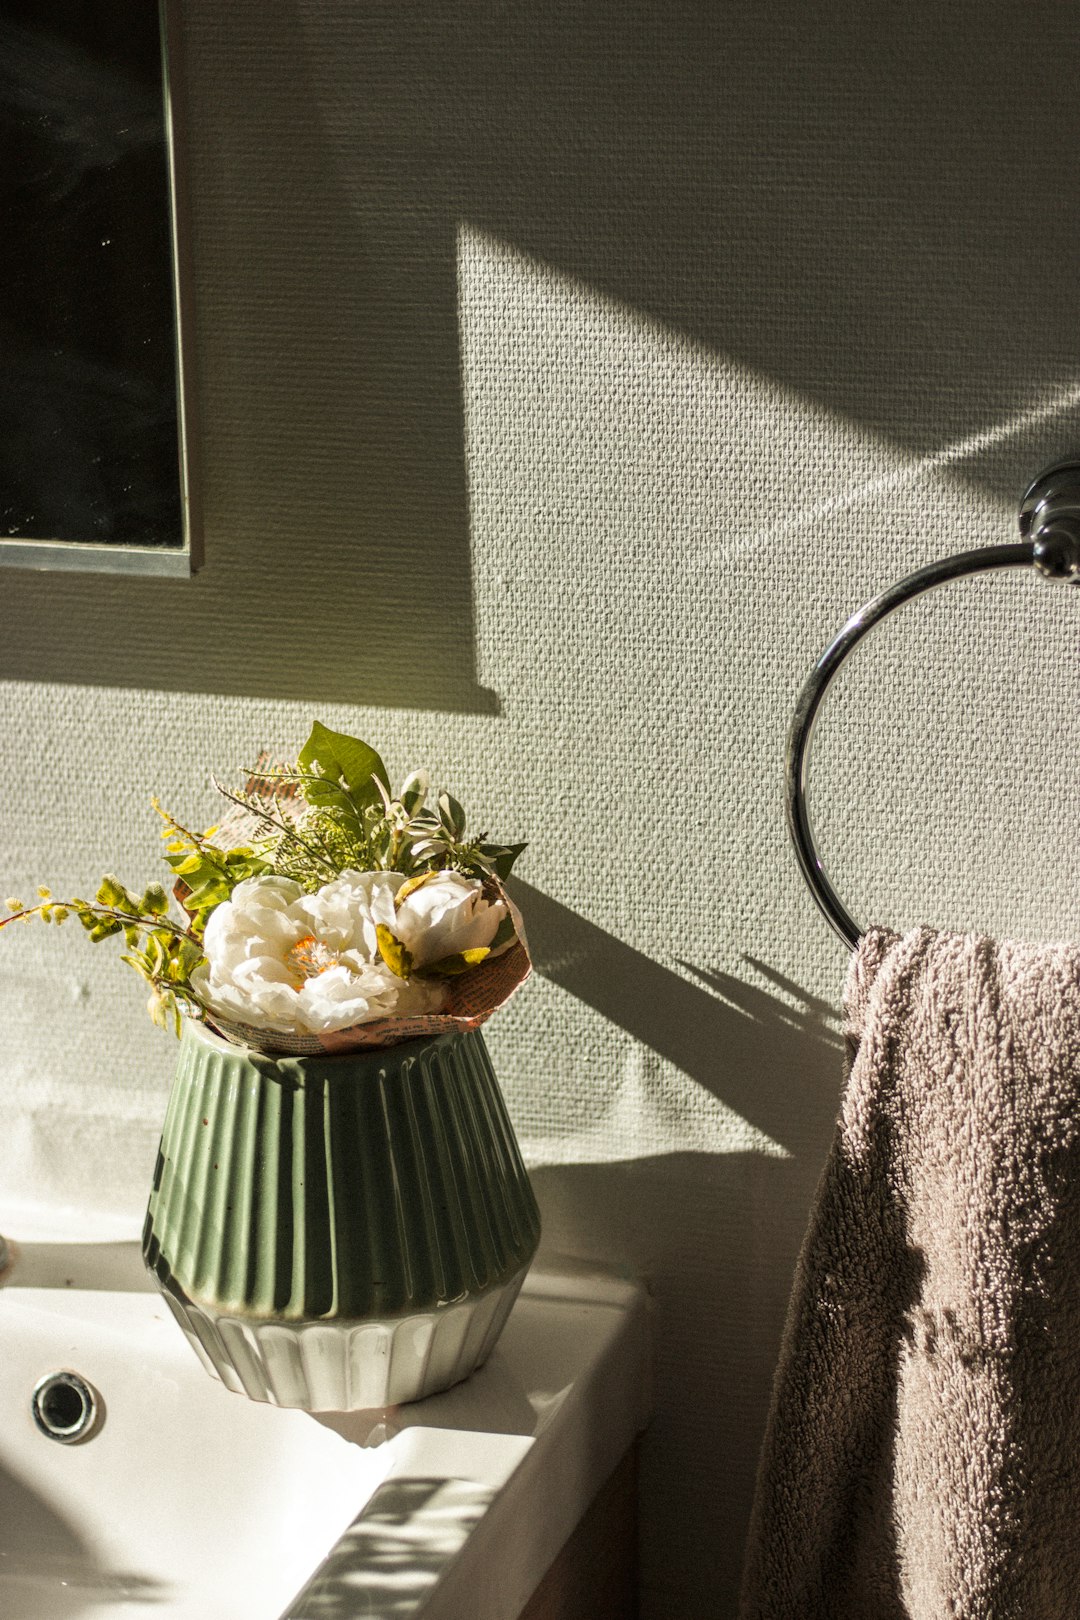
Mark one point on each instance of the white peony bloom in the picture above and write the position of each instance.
(447, 914)
(346, 911)
(306, 964)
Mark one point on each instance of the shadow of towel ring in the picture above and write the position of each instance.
(1050, 526)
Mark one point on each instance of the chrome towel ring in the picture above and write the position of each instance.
(1050, 526)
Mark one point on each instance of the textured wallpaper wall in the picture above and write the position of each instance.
(568, 373)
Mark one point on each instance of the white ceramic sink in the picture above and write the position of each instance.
(183, 1493)
(187, 1502)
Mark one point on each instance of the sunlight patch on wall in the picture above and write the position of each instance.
(1059, 403)
(671, 440)
(755, 463)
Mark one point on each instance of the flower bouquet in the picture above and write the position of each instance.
(339, 1215)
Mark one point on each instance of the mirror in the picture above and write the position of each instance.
(94, 384)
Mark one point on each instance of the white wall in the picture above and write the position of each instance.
(568, 373)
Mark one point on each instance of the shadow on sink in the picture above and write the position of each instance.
(49, 1573)
(392, 1555)
(114, 1267)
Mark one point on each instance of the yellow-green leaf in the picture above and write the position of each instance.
(103, 928)
(111, 892)
(460, 962)
(159, 1006)
(393, 952)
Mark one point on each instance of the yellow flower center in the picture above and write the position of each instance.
(309, 957)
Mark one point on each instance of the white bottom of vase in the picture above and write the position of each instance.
(349, 1365)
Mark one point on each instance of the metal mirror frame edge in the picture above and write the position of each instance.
(179, 562)
(1050, 525)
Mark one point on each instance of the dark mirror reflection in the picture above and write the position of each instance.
(89, 443)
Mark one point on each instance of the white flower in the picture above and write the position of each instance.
(447, 914)
(306, 964)
(345, 912)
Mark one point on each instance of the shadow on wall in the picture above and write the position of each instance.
(703, 1229)
(749, 1048)
(862, 208)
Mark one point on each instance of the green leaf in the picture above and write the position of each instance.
(243, 862)
(460, 962)
(342, 760)
(111, 892)
(503, 856)
(503, 934)
(102, 928)
(211, 892)
(414, 790)
(451, 815)
(323, 794)
(160, 1005)
(155, 902)
(178, 968)
(187, 958)
(393, 952)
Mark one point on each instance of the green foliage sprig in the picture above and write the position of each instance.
(208, 874)
(164, 952)
(352, 820)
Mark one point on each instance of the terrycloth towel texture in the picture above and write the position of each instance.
(923, 1452)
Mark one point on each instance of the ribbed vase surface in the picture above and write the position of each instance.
(339, 1232)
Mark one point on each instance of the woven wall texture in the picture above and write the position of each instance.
(568, 373)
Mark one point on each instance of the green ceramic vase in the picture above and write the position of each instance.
(339, 1232)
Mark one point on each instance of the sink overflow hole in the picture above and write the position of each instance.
(64, 1407)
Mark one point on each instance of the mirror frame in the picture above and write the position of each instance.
(173, 561)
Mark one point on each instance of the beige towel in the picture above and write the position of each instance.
(923, 1452)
